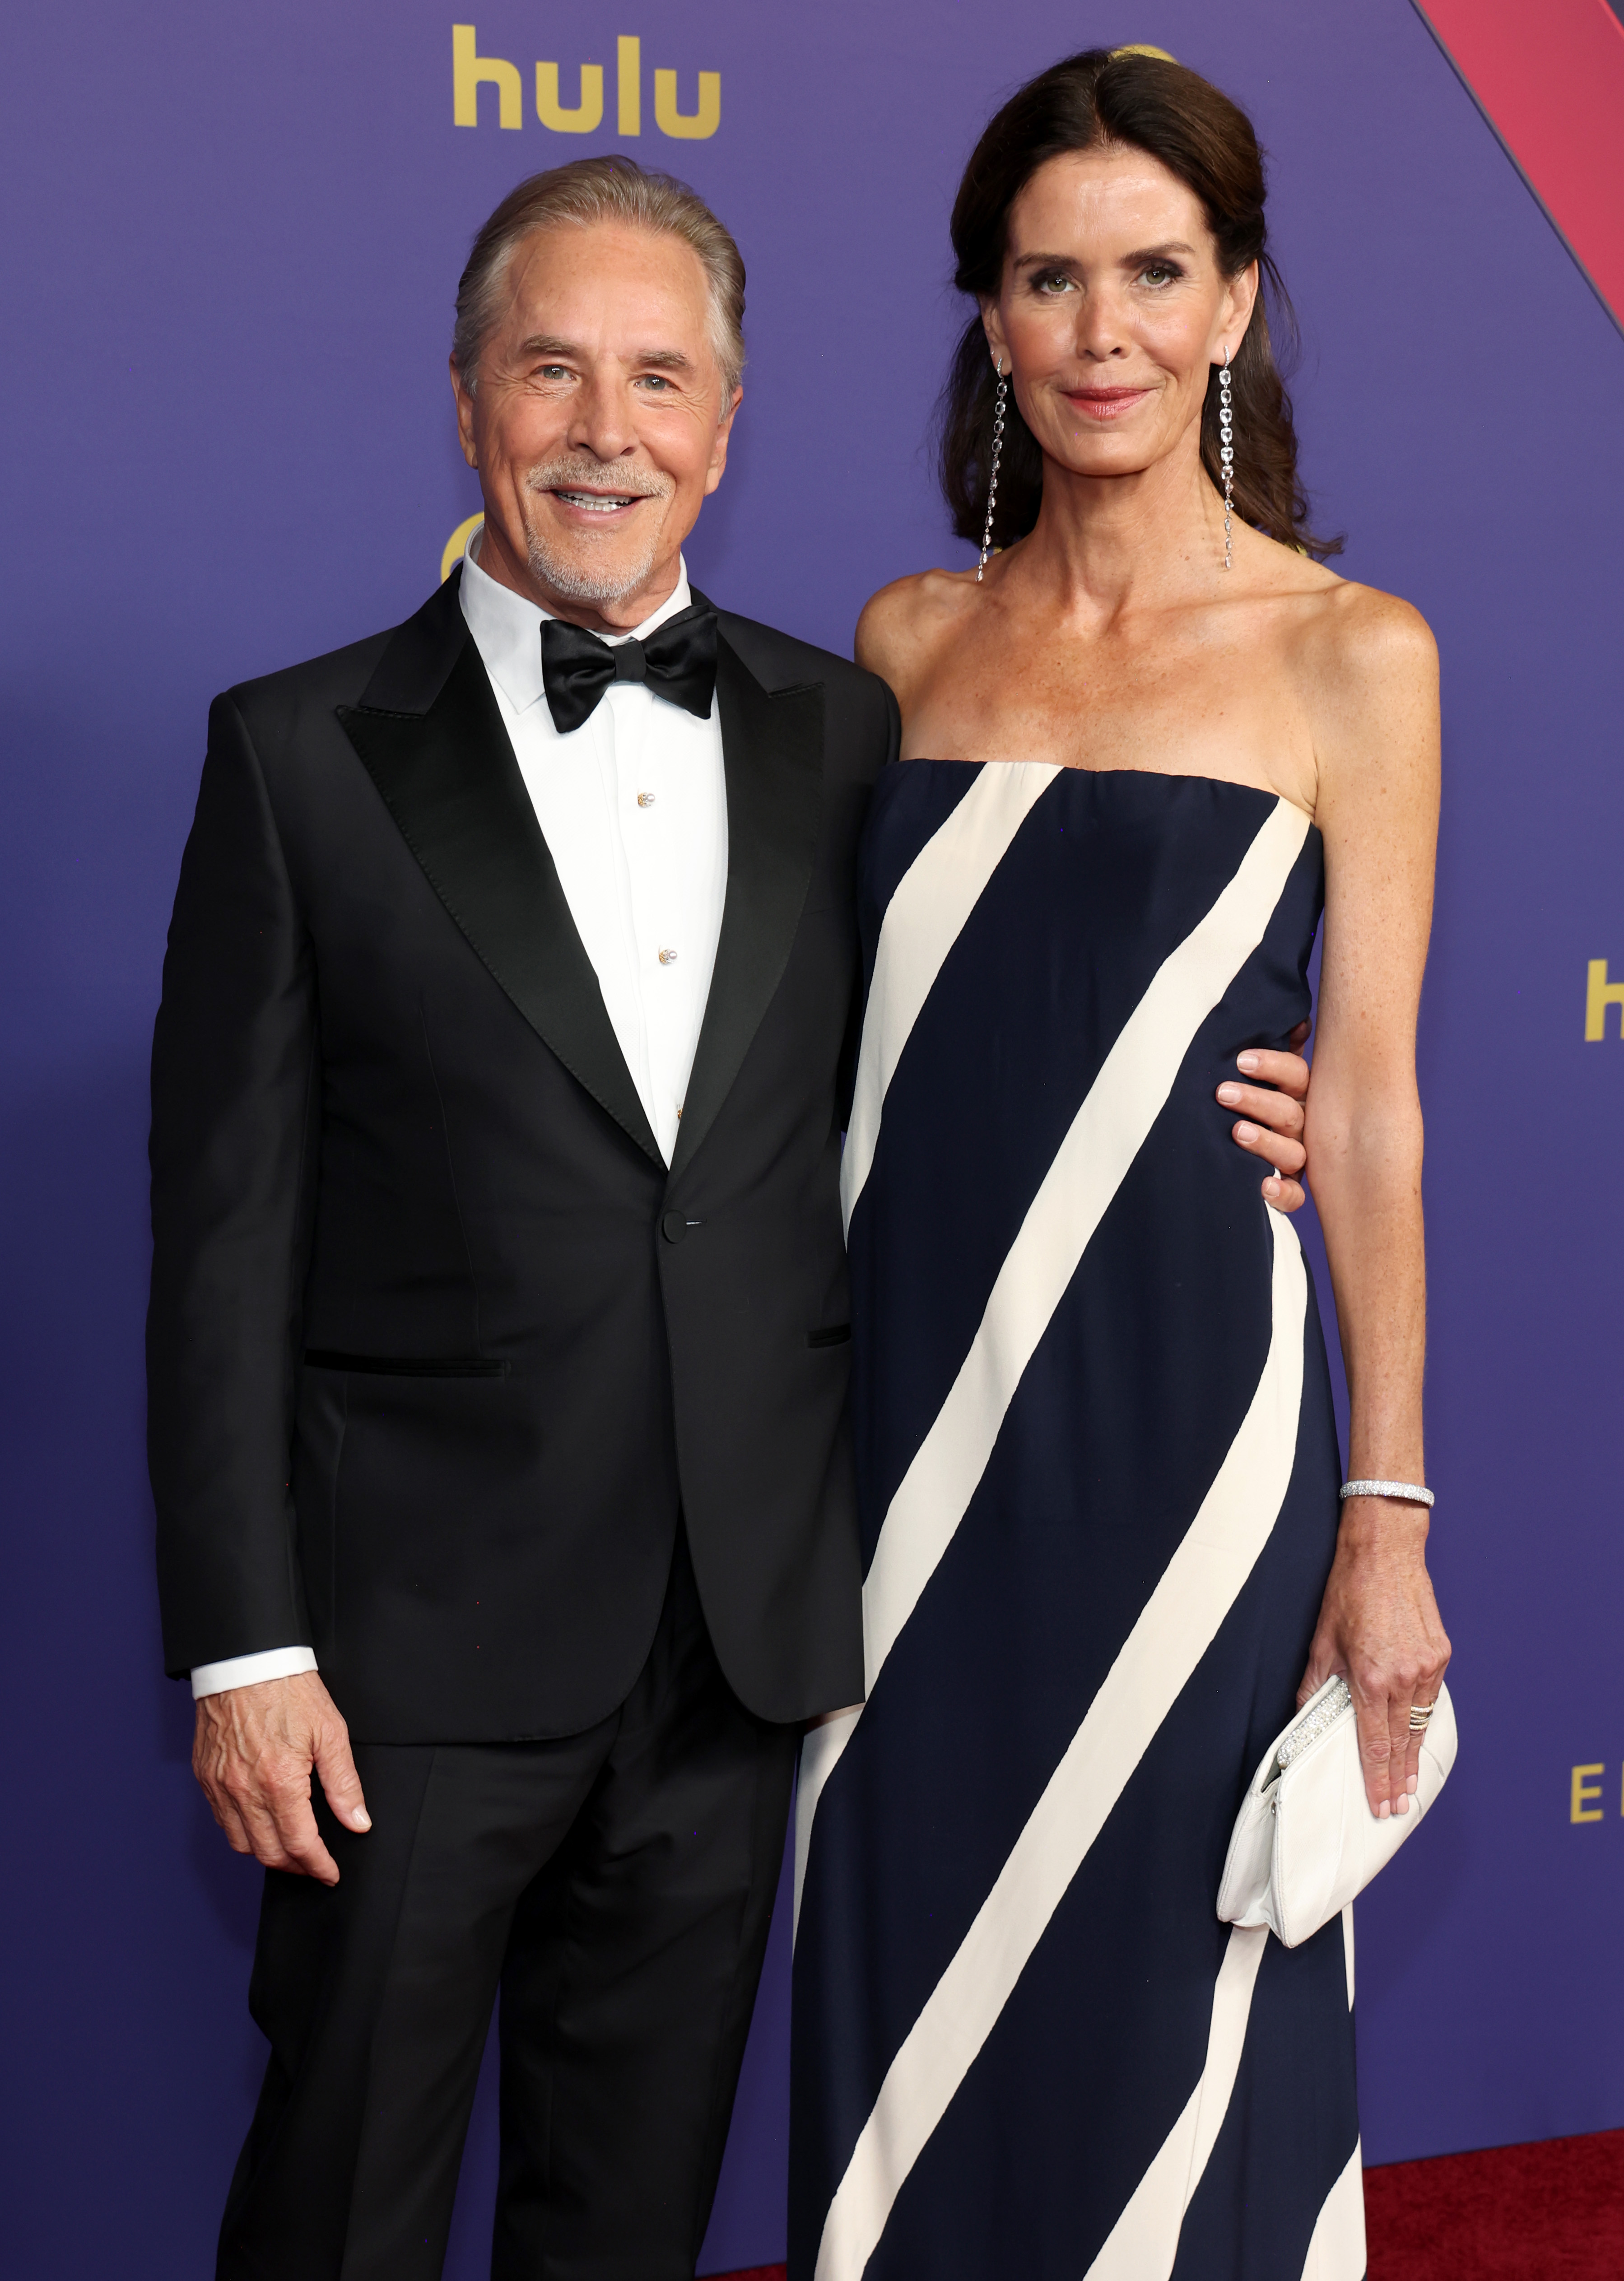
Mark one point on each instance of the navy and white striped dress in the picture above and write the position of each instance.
(1098, 1468)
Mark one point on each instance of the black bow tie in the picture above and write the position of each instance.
(678, 662)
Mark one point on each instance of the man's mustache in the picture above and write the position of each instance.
(595, 476)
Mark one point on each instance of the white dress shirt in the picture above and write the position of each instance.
(633, 808)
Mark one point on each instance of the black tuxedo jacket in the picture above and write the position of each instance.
(438, 1349)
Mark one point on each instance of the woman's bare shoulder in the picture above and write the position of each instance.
(1345, 626)
(1368, 672)
(904, 626)
(1363, 643)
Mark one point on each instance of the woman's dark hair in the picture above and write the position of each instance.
(1146, 102)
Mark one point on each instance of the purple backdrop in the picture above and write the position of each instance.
(231, 242)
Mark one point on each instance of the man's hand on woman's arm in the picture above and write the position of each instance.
(254, 1753)
(1270, 1095)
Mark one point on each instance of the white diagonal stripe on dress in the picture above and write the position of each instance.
(923, 920)
(1177, 1624)
(820, 1754)
(1144, 2241)
(1107, 1133)
(1121, 1106)
(1337, 2250)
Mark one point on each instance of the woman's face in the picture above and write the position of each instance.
(1113, 310)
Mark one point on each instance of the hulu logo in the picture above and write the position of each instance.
(470, 71)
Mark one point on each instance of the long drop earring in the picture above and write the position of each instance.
(998, 446)
(1226, 460)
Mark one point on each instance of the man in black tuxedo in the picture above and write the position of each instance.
(498, 1344)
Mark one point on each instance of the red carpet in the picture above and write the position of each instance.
(1553, 2211)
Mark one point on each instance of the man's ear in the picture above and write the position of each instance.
(464, 398)
(718, 450)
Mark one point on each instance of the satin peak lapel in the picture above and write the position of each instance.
(429, 734)
(772, 755)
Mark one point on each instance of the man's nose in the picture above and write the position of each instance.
(601, 419)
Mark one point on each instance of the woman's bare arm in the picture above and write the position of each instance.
(1375, 694)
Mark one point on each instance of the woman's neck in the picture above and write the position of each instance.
(1103, 544)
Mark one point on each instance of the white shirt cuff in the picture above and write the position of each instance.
(249, 1670)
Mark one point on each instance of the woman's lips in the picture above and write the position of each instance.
(1106, 403)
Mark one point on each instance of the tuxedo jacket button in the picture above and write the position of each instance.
(673, 1227)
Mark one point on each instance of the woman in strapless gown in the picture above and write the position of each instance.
(1098, 1463)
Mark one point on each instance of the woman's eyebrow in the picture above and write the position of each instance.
(1069, 261)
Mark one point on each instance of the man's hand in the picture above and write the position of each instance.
(253, 1752)
(1271, 1123)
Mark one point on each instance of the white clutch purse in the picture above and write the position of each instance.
(1305, 1841)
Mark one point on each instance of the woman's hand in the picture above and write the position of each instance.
(1379, 1626)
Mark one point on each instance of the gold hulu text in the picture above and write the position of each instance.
(470, 71)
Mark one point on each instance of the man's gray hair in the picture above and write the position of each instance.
(614, 190)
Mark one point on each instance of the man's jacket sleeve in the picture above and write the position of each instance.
(236, 1113)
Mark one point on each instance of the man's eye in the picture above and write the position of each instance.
(552, 372)
(655, 380)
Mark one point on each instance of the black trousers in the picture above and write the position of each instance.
(617, 1886)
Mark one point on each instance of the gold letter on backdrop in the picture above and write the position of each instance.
(456, 546)
(469, 72)
(688, 126)
(1599, 993)
(628, 53)
(1582, 1794)
(587, 112)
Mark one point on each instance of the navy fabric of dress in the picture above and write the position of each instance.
(1098, 1469)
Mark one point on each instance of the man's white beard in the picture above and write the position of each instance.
(576, 578)
(576, 582)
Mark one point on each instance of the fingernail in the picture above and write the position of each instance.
(1413, 1784)
(1384, 1811)
(360, 1819)
(1246, 1061)
(1229, 1093)
(1245, 1132)
(1403, 1806)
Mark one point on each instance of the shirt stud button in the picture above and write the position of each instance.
(668, 958)
(645, 799)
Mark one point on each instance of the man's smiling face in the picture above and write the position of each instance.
(599, 421)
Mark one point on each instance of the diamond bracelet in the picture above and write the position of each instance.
(1411, 1492)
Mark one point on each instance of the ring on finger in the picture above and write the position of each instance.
(1420, 1715)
